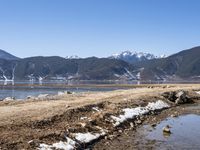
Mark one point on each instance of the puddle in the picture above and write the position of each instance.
(185, 133)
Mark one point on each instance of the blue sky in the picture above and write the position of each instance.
(98, 27)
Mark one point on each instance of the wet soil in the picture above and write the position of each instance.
(184, 126)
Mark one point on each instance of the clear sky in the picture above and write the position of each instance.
(98, 27)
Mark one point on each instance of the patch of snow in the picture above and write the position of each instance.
(157, 105)
(43, 95)
(9, 99)
(71, 77)
(30, 141)
(69, 145)
(129, 73)
(130, 113)
(198, 92)
(72, 57)
(138, 75)
(163, 56)
(88, 137)
(61, 93)
(82, 118)
(95, 108)
(117, 75)
(138, 55)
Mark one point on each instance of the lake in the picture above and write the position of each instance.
(23, 92)
(22, 89)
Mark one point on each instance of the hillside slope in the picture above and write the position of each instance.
(85, 69)
(184, 64)
(7, 56)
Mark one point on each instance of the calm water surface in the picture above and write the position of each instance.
(185, 133)
(23, 92)
(22, 89)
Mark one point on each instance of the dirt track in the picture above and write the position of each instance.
(48, 120)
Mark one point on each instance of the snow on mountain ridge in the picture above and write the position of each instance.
(72, 57)
(133, 56)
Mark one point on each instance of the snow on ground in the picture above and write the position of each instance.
(82, 118)
(96, 108)
(157, 105)
(88, 137)
(130, 113)
(60, 93)
(129, 73)
(69, 145)
(198, 92)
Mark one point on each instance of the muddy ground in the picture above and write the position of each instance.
(26, 124)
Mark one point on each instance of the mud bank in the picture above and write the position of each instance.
(85, 120)
(184, 131)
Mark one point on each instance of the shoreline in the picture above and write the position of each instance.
(49, 121)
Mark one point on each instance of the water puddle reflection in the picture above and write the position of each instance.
(185, 133)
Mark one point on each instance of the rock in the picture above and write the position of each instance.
(68, 92)
(153, 125)
(166, 129)
(138, 122)
(182, 98)
(173, 115)
(111, 137)
(171, 96)
(30, 97)
(9, 99)
(33, 143)
(120, 131)
(177, 97)
(132, 125)
(82, 124)
(67, 106)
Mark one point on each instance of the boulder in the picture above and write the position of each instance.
(182, 98)
(166, 129)
(171, 96)
(177, 97)
(68, 92)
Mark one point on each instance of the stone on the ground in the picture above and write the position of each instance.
(182, 98)
(68, 92)
(166, 129)
(153, 125)
(177, 97)
(171, 96)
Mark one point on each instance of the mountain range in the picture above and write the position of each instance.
(124, 66)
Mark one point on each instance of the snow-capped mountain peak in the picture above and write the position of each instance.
(132, 57)
(72, 57)
(135, 54)
(162, 56)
